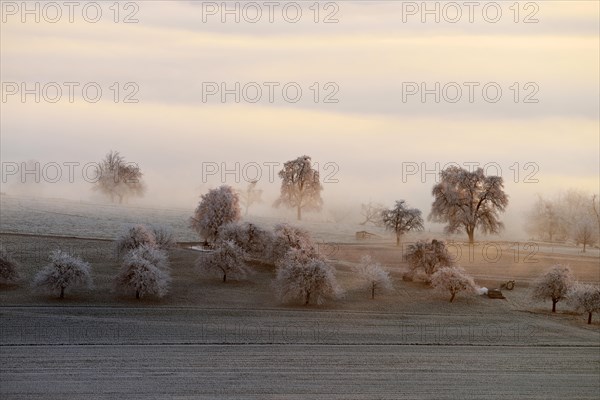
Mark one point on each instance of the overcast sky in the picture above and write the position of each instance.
(371, 62)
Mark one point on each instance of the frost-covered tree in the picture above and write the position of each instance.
(373, 276)
(216, 208)
(249, 196)
(228, 261)
(156, 256)
(585, 297)
(571, 214)
(140, 275)
(133, 237)
(428, 256)
(372, 213)
(303, 278)
(163, 236)
(64, 271)
(255, 241)
(453, 280)
(468, 201)
(554, 284)
(402, 219)
(119, 179)
(300, 186)
(9, 268)
(287, 237)
(585, 233)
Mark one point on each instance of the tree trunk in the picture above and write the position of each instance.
(589, 318)
(398, 240)
(554, 305)
(62, 292)
(224, 278)
(299, 213)
(471, 233)
(452, 298)
(307, 298)
(372, 291)
(584, 247)
(137, 294)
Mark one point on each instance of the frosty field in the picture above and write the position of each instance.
(208, 340)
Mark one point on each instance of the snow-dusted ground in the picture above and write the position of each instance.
(101, 220)
(195, 353)
(208, 340)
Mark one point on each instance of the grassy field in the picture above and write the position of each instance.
(209, 340)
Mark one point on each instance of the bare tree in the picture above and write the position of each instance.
(251, 195)
(454, 280)
(585, 297)
(402, 219)
(304, 278)
(545, 221)
(229, 260)
(140, 275)
(216, 208)
(373, 276)
(300, 186)
(9, 268)
(554, 284)
(468, 201)
(372, 213)
(287, 237)
(163, 236)
(569, 215)
(428, 256)
(133, 237)
(255, 241)
(64, 271)
(585, 233)
(119, 179)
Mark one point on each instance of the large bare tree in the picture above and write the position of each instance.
(119, 179)
(300, 186)
(468, 201)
